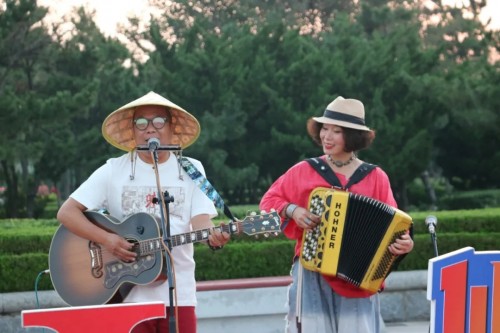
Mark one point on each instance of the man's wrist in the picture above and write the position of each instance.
(214, 248)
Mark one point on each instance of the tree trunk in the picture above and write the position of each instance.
(429, 189)
(401, 195)
(12, 193)
(29, 188)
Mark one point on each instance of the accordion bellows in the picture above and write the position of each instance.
(352, 240)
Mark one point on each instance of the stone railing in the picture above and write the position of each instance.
(243, 305)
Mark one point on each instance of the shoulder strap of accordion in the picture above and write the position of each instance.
(361, 172)
(326, 172)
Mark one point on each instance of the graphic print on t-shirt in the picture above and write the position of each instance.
(141, 199)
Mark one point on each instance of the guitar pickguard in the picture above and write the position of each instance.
(117, 270)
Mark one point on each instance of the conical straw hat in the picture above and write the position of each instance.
(118, 129)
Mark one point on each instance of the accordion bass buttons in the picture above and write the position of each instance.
(310, 241)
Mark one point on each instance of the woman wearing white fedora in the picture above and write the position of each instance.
(328, 303)
(128, 185)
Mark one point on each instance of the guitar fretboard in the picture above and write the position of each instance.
(150, 246)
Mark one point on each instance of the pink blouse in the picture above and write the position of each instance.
(295, 185)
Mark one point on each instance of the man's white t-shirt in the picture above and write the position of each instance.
(110, 187)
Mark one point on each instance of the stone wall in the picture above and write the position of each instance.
(233, 306)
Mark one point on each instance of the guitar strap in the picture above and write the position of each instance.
(326, 172)
(205, 186)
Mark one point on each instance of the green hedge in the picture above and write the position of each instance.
(474, 220)
(470, 200)
(447, 242)
(246, 259)
(19, 272)
(24, 248)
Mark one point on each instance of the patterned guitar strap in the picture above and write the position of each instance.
(205, 186)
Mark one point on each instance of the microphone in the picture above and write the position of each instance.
(431, 222)
(153, 144)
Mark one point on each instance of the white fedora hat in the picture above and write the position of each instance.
(345, 113)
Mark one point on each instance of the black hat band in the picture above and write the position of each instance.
(344, 117)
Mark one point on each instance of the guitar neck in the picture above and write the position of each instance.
(197, 236)
(154, 245)
(251, 225)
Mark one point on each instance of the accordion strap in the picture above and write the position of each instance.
(326, 172)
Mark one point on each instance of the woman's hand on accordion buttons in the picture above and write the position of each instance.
(402, 245)
(305, 219)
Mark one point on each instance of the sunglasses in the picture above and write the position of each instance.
(143, 123)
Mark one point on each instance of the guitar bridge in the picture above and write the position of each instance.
(95, 260)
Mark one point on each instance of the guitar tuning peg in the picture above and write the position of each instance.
(253, 213)
(276, 234)
(266, 235)
(256, 236)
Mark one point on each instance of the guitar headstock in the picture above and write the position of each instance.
(264, 223)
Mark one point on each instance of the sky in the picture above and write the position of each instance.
(109, 13)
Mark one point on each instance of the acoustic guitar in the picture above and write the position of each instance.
(84, 273)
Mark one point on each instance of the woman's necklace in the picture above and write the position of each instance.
(340, 164)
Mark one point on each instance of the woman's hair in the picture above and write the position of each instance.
(355, 140)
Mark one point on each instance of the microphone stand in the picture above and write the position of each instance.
(431, 222)
(434, 243)
(165, 226)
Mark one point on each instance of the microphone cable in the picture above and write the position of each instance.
(37, 281)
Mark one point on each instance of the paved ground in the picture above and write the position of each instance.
(408, 327)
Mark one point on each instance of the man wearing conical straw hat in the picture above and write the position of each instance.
(127, 185)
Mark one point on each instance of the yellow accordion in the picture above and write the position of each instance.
(352, 240)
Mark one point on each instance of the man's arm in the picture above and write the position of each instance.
(71, 216)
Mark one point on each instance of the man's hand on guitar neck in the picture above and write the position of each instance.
(218, 239)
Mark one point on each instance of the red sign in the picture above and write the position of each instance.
(464, 290)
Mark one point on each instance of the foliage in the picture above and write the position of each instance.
(253, 73)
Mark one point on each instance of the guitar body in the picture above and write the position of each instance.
(84, 273)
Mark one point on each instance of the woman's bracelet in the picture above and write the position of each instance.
(290, 209)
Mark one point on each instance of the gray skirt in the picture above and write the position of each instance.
(322, 310)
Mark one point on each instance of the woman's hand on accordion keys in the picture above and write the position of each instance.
(305, 219)
(402, 245)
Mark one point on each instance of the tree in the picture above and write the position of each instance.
(23, 44)
(466, 144)
(88, 73)
(263, 81)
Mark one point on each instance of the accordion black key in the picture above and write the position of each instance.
(352, 240)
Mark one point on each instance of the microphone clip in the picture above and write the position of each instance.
(162, 147)
(431, 222)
